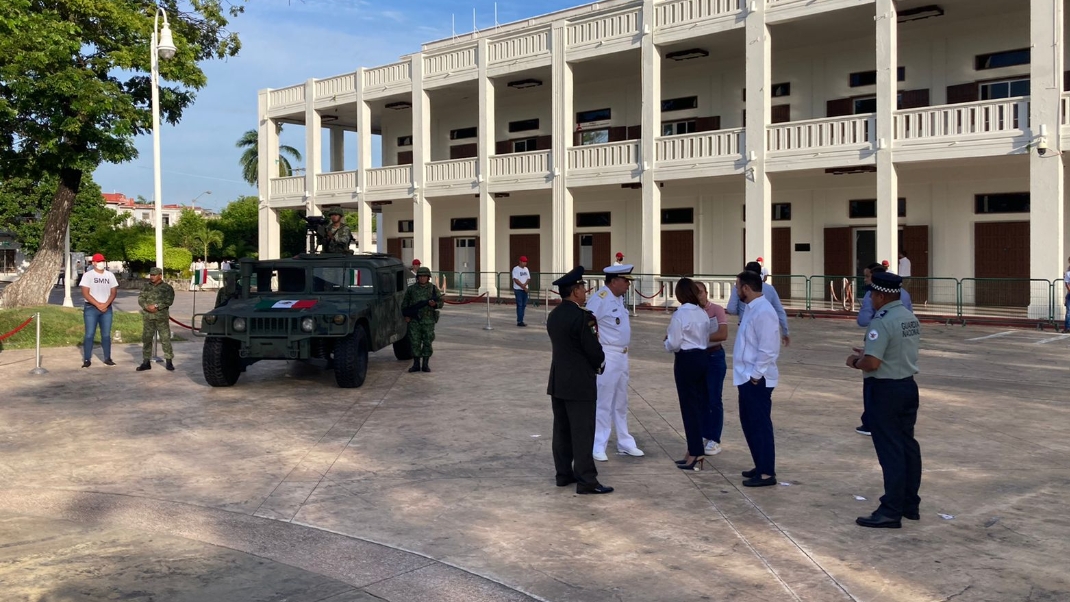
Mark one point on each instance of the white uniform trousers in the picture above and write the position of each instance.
(612, 409)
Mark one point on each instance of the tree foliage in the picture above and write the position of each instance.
(250, 157)
(24, 202)
(239, 222)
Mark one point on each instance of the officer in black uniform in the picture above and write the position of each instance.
(889, 362)
(575, 364)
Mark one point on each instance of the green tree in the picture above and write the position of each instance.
(22, 200)
(250, 157)
(293, 232)
(239, 222)
(183, 233)
(208, 238)
(75, 90)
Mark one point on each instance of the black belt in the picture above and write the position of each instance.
(714, 349)
(890, 380)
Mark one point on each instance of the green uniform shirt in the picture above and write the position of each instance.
(893, 338)
(417, 293)
(161, 295)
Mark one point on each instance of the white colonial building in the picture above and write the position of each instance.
(694, 135)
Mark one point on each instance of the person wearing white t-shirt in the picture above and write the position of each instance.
(99, 287)
(521, 277)
(904, 265)
(765, 270)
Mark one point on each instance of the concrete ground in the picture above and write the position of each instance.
(154, 486)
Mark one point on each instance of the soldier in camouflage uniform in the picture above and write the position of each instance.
(421, 307)
(336, 235)
(156, 299)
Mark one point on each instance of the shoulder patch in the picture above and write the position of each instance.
(602, 293)
(873, 336)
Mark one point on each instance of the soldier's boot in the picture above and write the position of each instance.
(169, 366)
(415, 365)
(425, 368)
(145, 365)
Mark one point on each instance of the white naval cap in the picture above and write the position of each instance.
(622, 271)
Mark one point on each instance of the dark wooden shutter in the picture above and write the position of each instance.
(526, 245)
(393, 247)
(708, 124)
(618, 133)
(839, 107)
(445, 254)
(782, 261)
(464, 151)
(916, 247)
(780, 114)
(635, 132)
(544, 142)
(405, 158)
(838, 254)
(677, 252)
(1001, 250)
(600, 251)
(963, 93)
(914, 99)
(503, 147)
(1066, 81)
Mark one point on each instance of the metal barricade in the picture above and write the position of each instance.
(793, 290)
(833, 293)
(1017, 298)
(933, 296)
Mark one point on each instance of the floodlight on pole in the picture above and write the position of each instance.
(162, 46)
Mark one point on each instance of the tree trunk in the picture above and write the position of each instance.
(33, 287)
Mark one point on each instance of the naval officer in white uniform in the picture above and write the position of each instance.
(614, 333)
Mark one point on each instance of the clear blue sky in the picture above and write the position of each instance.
(284, 43)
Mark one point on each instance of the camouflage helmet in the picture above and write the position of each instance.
(422, 271)
(334, 211)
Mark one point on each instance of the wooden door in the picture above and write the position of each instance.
(782, 262)
(780, 114)
(1001, 250)
(445, 254)
(527, 245)
(677, 252)
(915, 244)
(393, 247)
(839, 249)
(600, 250)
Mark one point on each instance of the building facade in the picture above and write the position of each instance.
(695, 135)
(134, 212)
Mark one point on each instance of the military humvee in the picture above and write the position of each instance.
(334, 307)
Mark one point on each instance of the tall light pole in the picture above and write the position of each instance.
(163, 46)
(193, 203)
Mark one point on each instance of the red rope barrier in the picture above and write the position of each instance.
(181, 324)
(651, 296)
(472, 300)
(20, 327)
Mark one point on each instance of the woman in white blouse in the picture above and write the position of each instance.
(688, 336)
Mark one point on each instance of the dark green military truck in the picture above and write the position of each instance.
(333, 307)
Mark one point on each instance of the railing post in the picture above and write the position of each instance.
(546, 304)
(958, 298)
(38, 370)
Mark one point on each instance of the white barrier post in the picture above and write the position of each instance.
(488, 326)
(38, 369)
(546, 304)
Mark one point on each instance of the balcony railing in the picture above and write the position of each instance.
(448, 62)
(985, 117)
(682, 12)
(389, 177)
(293, 185)
(832, 132)
(699, 146)
(603, 28)
(518, 47)
(387, 75)
(520, 164)
(286, 96)
(338, 181)
(598, 156)
(453, 170)
(332, 86)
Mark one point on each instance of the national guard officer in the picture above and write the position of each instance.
(576, 361)
(155, 299)
(615, 333)
(421, 306)
(889, 362)
(336, 235)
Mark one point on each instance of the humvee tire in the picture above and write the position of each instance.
(351, 360)
(220, 362)
(403, 348)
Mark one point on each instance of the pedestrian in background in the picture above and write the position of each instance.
(421, 306)
(716, 368)
(737, 307)
(521, 278)
(755, 374)
(99, 287)
(156, 299)
(619, 259)
(687, 338)
(764, 272)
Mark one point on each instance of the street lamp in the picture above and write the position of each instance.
(193, 203)
(163, 46)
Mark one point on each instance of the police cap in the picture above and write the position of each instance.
(570, 278)
(886, 282)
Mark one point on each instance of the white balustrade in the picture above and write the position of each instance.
(448, 62)
(387, 177)
(597, 156)
(520, 164)
(337, 181)
(333, 86)
(701, 145)
(451, 171)
(832, 132)
(518, 47)
(287, 96)
(603, 28)
(679, 12)
(293, 185)
(388, 74)
(985, 117)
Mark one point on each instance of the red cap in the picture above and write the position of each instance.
(885, 263)
(523, 259)
(98, 257)
(415, 262)
(760, 260)
(620, 255)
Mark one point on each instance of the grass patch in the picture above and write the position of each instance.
(62, 327)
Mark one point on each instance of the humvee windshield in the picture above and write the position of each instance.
(323, 280)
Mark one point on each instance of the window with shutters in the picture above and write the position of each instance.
(1014, 202)
(524, 145)
(673, 128)
(1004, 89)
(1006, 58)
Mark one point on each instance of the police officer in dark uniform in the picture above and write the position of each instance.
(575, 364)
(889, 362)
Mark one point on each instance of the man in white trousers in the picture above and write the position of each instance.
(614, 333)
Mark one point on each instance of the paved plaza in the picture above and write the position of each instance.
(153, 486)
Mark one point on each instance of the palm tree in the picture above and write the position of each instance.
(250, 157)
(208, 238)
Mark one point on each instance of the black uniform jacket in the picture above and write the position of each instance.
(577, 354)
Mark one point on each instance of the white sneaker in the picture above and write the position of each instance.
(630, 451)
(600, 456)
(712, 448)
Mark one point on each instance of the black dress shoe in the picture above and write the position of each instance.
(86, 363)
(750, 474)
(912, 515)
(170, 366)
(878, 521)
(108, 362)
(758, 481)
(594, 490)
(565, 482)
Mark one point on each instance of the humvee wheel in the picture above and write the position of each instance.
(403, 348)
(351, 360)
(220, 362)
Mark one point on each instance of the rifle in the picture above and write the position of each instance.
(413, 311)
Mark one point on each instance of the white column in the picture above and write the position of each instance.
(1047, 249)
(757, 189)
(269, 243)
(487, 204)
(887, 93)
(313, 147)
(336, 138)
(421, 155)
(650, 255)
(364, 163)
(562, 213)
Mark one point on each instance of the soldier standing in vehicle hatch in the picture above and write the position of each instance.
(421, 306)
(335, 236)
